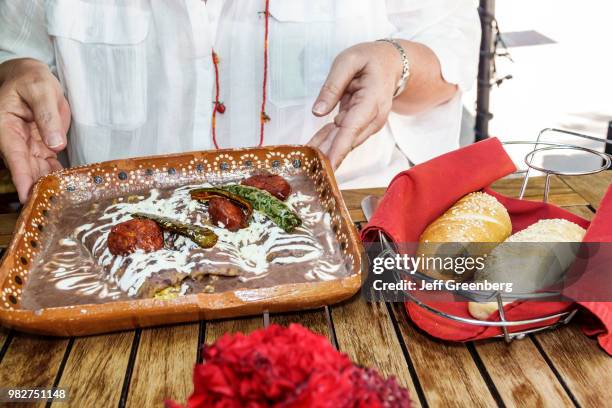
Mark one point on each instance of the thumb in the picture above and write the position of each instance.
(343, 70)
(45, 103)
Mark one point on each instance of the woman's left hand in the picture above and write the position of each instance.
(362, 80)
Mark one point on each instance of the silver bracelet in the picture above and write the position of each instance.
(401, 84)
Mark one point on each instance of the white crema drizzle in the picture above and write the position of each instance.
(252, 249)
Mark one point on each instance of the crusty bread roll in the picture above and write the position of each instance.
(465, 229)
(477, 217)
(530, 267)
(482, 311)
(551, 230)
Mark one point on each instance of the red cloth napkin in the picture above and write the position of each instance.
(419, 195)
(598, 275)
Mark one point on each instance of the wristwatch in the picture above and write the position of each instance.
(401, 84)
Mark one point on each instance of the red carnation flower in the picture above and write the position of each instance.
(286, 367)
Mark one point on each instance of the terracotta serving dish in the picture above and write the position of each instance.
(55, 193)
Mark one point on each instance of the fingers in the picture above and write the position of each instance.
(339, 118)
(344, 107)
(26, 169)
(343, 70)
(353, 123)
(351, 127)
(359, 80)
(327, 143)
(21, 175)
(25, 173)
(321, 135)
(54, 164)
(34, 119)
(25, 155)
(323, 139)
(15, 153)
(38, 149)
(35, 95)
(45, 100)
(17, 160)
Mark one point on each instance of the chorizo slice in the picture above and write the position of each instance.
(128, 236)
(223, 212)
(272, 183)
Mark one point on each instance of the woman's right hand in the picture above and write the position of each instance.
(34, 120)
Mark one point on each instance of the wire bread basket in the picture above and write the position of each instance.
(539, 147)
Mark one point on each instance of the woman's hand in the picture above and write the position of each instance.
(34, 120)
(363, 79)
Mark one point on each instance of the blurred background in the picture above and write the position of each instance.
(559, 57)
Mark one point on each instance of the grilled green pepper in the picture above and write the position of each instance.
(204, 237)
(266, 203)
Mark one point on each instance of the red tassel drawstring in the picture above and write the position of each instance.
(219, 107)
(215, 60)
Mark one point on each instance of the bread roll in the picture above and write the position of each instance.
(551, 230)
(530, 267)
(465, 229)
(482, 311)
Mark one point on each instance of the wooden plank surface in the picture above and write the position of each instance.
(163, 368)
(521, 375)
(352, 199)
(365, 332)
(96, 368)
(592, 187)
(217, 328)
(32, 361)
(315, 320)
(583, 366)
(448, 374)
(547, 369)
(560, 193)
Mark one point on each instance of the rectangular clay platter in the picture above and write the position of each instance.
(58, 278)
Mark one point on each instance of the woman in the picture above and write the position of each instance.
(115, 78)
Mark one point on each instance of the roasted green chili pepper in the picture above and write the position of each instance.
(266, 203)
(204, 237)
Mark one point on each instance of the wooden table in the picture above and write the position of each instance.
(140, 368)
